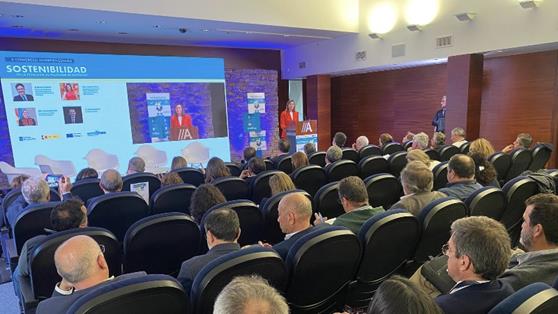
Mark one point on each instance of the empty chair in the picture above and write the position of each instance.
(260, 185)
(436, 219)
(250, 218)
(370, 150)
(391, 148)
(218, 273)
(341, 169)
(284, 164)
(316, 286)
(397, 161)
(350, 154)
(536, 298)
(32, 222)
(326, 201)
(233, 168)
(395, 234)
(464, 148)
(87, 188)
(233, 188)
(517, 191)
(272, 231)
(521, 159)
(142, 295)
(309, 178)
(433, 154)
(372, 165)
(383, 190)
(159, 244)
(440, 173)
(191, 176)
(151, 179)
(172, 198)
(488, 201)
(317, 158)
(407, 145)
(117, 212)
(447, 151)
(540, 156)
(502, 163)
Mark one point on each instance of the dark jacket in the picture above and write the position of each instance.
(475, 299)
(282, 248)
(461, 189)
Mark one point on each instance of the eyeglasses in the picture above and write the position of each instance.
(445, 249)
(102, 247)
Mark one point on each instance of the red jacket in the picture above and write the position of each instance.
(186, 121)
(285, 120)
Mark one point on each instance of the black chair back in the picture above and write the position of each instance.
(351, 154)
(372, 165)
(32, 222)
(234, 169)
(521, 159)
(159, 244)
(117, 212)
(151, 179)
(191, 176)
(87, 188)
(7, 201)
(317, 158)
(272, 231)
(391, 148)
(536, 298)
(383, 190)
(341, 169)
(269, 164)
(309, 291)
(433, 154)
(141, 295)
(447, 151)
(285, 164)
(250, 217)
(233, 188)
(309, 178)
(502, 162)
(260, 185)
(218, 273)
(407, 145)
(465, 148)
(541, 154)
(517, 191)
(326, 201)
(488, 201)
(172, 198)
(370, 150)
(440, 173)
(397, 161)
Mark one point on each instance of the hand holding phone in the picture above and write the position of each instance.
(52, 180)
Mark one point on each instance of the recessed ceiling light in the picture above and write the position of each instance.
(101, 22)
(122, 33)
(73, 30)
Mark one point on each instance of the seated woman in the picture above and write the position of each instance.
(178, 162)
(299, 160)
(87, 173)
(171, 178)
(204, 197)
(420, 155)
(485, 173)
(280, 182)
(216, 168)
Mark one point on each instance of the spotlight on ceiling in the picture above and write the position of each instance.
(466, 16)
(414, 28)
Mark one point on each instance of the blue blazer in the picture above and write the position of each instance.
(475, 299)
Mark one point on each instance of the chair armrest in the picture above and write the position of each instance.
(27, 295)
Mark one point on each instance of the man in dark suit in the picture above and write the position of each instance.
(111, 182)
(73, 116)
(254, 166)
(21, 95)
(222, 229)
(478, 252)
(34, 190)
(284, 147)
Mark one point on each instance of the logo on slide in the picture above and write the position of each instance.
(96, 133)
(47, 137)
(26, 138)
(71, 135)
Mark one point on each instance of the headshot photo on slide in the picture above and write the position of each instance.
(22, 92)
(26, 116)
(73, 115)
(69, 91)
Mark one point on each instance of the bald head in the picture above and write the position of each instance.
(295, 211)
(111, 181)
(80, 262)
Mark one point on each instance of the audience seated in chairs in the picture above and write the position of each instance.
(67, 215)
(339, 139)
(523, 140)
(34, 190)
(461, 177)
(254, 166)
(360, 142)
(250, 294)
(417, 181)
(284, 148)
(178, 162)
(299, 160)
(385, 138)
(420, 155)
(222, 229)
(87, 173)
(333, 154)
(438, 140)
(485, 173)
(171, 178)
(204, 197)
(136, 165)
(309, 149)
(111, 182)
(82, 266)
(216, 168)
(354, 198)
(420, 141)
(458, 137)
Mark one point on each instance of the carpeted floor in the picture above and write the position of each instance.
(8, 300)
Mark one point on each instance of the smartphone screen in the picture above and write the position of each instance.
(52, 180)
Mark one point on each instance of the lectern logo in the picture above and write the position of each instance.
(307, 127)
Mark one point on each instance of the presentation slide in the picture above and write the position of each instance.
(65, 111)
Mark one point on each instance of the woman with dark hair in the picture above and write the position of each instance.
(178, 162)
(204, 197)
(485, 173)
(87, 173)
(216, 168)
(399, 295)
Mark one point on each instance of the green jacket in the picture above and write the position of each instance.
(355, 218)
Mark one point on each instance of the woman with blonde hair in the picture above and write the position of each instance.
(299, 160)
(482, 147)
(281, 182)
(485, 173)
(420, 155)
(178, 162)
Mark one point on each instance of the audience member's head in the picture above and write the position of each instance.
(281, 182)
(418, 155)
(249, 153)
(17, 182)
(416, 178)
(87, 173)
(250, 295)
(339, 139)
(111, 181)
(299, 160)
(309, 149)
(178, 162)
(204, 197)
(398, 295)
(284, 146)
(485, 173)
(478, 249)
(540, 222)
(523, 140)
(438, 140)
(256, 165)
(35, 190)
(482, 147)
(457, 135)
(171, 178)
(216, 168)
(81, 263)
(352, 193)
(420, 141)
(136, 165)
(460, 168)
(67, 215)
(221, 226)
(333, 154)
(294, 213)
(360, 142)
(385, 138)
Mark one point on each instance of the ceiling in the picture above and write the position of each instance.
(59, 23)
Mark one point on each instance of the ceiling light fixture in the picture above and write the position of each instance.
(465, 17)
(375, 36)
(529, 4)
(414, 28)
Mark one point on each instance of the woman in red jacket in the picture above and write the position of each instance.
(288, 116)
(180, 119)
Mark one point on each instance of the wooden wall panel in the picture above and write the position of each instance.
(318, 107)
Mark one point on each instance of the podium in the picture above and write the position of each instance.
(306, 132)
(184, 133)
(291, 136)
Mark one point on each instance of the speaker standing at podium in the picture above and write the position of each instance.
(180, 119)
(288, 119)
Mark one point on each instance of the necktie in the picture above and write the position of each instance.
(24, 98)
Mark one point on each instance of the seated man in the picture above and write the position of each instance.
(222, 229)
(248, 153)
(339, 139)
(255, 165)
(478, 252)
(461, 177)
(110, 182)
(417, 181)
(458, 137)
(360, 142)
(136, 165)
(284, 147)
(420, 141)
(295, 211)
(523, 140)
(354, 199)
(384, 139)
(309, 149)
(333, 154)
(34, 190)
